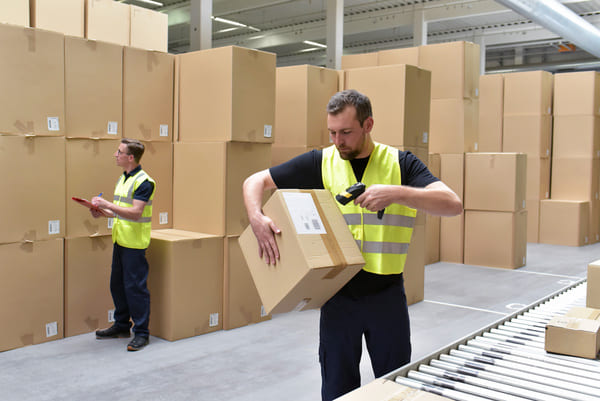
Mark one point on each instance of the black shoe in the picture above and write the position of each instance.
(137, 343)
(112, 332)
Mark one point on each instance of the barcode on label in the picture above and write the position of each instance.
(316, 224)
(163, 218)
(163, 130)
(268, 132)
(53, 124)
(110, 222)
(113, 128)
(263, 311)
(53, 227)
(51, 329)
(213, 319)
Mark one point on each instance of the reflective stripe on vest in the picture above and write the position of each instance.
(126, 232)
(384, 243)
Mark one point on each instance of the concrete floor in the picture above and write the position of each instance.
(277, 360)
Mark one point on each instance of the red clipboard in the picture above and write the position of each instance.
(88, 204)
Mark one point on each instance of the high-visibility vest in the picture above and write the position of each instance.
(384, 243)
(129, 233)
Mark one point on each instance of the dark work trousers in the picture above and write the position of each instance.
(129, 290)
(382, 318)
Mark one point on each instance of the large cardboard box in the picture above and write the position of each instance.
(533, 220)
(575, 178)
(148, 95)
(88, 302)
(528, 92)
(213, 202)
(32, 78)
(33, 187)
(301, 97)
(158, 163)
(93, 89)
(241, 302)
(432, 223)
(399, 96)
(31, 293)
(388, 390)
(538, 177)
(414, 269)
(576, 333)
(592, 299)
(454, 69)
(227, 94)
(360, 60)
(408, 55)
(453, 125)
(496, 239)
(15, 12)
(495, 181)
(452, 173)
(280, 154)
(318, 254)
(185, 283)
(149, 29)
(576, 136)
(491, 112)
(108, 21)
(64, 16)
(564, 222)
(577, 93)
(531, 134)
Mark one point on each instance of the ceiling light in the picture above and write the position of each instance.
(308, 42)
(226, 21)
(227, 30)
(152, 2)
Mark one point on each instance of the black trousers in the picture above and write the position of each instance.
(129, 289)
(382, 318)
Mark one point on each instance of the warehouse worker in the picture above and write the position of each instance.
(373, 302)
(132, 212)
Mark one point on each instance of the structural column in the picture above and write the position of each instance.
(335, 33)
(419, 28)
(480, 40)
(200, 24)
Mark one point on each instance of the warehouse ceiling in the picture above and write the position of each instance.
(283, 27)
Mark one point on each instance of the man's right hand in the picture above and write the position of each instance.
(264, 230)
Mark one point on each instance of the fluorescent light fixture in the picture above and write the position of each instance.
(253, 28)
(308, 42)
(226, 21)
(152, 2)
(228, 30)
(310, 49)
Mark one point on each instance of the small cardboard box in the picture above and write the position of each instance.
(318, 253)
(564, 222)
(149, 29)
(576, 333)
(64, 16)
(108, 21)
(387, 390)
(577, 93)
(593, 285)
(491, 112)
(528, 92)
(15, 12)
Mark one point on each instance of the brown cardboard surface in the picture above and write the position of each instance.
(577, 93)
(531, 134)
(280, 154)
(528, 92)
(495, 181)
(576, 136)
(241, 302)
(360, 60)
(432, 223)
(32, 78)
(88, 303)
(491, 112)
(576, 333)
(301, 97)
(409, 55)
(15, 12)
(33, 168)
(496, 239)
(148, 95)
(227, 94)
(64, 16)
(312, 266)
(185, 283)
(593, 285)
(388, 390)
(414, 269)
(93, 89)
(533, 220)
(452, 170)
(399, 97)
(149, 29)
(453, 125)
(575, 178)
(564, 222)
(158, 163)
(108, 21)
(538, 177)
(32, 279)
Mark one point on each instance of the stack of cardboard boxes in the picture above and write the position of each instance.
(491, 112)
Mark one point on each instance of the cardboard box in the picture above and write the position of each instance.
(575, 178)
(32, 78)
(148, 95)
(408, 55)
(158, 163)
(592, 299)
(64, 16)
(538, 177)
(414, 269)
(528, 92)
(576, 333)
(422, 153)
(15, 12)
(33, 187)
(31, 293)
(85, 157)
(149, 29)
(454, 69)
(315, 260)
(88, 302)
(93, 89)
(453, 126)
(491, 112)
(108, 21)
(564, 222)
(399, 97)
(221, 210)
(533, 220)
(496, 239)
(432, 223)
(577, 93)
(576, 137)
(531, 134)
(280, 154)
(185, 283)
(495, 181)
(241, 105)
(301, 97)
(388, 390)
(360, 60)
(452, 173)
(241, 302)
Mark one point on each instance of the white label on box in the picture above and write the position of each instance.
(111, 315)
(263, 311)
(585, 239)
(163, 130)
(304, 213)
(476, 146)
(547, 152)
(110, 223)
(53, 227)
(163, 218)
(523, 204)
(213, 319)
(268, 132)
(113, 128)
(53, 124)
(425, 137)
(549, 110)
(476, 92)
(51, 329)
(301, 304)
(524, 260)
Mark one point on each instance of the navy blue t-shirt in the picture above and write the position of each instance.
(144, 190)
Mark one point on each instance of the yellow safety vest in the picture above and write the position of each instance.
(130, 233)
(384, 243)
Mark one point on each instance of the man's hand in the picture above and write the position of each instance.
(376, 197)
(100, 202)
(264, 230)
(96, 213)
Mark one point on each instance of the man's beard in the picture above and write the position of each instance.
(349, 155)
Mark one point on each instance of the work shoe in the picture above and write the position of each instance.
(137, 343)
(112, 332)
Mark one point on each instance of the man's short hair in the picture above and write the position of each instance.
(351, 97)
(134, 147)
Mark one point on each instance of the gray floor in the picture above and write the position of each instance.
(277, 360)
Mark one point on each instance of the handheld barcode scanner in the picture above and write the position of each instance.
(352, 193)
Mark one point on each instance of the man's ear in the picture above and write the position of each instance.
(368, 124)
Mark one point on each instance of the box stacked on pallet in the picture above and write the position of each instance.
(491, 112)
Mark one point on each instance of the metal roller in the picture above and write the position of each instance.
(452, 394)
